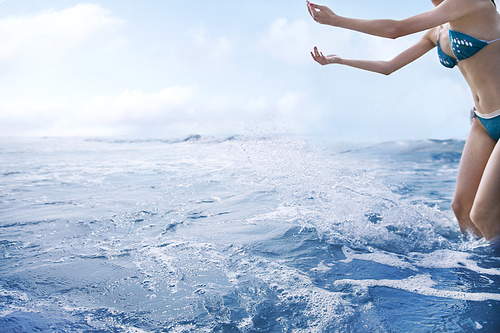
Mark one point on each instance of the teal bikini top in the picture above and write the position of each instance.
(463, 47)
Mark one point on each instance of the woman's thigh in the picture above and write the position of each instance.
(477, 151)
(486, 209)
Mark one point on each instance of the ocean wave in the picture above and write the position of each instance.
(255, 233)
(194, 138)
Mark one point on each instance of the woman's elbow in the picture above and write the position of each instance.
(387, 69)
(396, 30)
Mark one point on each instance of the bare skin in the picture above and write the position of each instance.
(477, 197)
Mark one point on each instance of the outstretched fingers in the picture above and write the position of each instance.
(313, 9)
(319, 57)
(309, 9)
(320, 14)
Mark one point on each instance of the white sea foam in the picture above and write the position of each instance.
(295, 290)
(381, 257)
(322, 268)
(450, 259)
(421, 285)
(14, 295)
(444, 258)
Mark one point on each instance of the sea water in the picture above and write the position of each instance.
(239, 234)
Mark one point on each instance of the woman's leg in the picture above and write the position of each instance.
(486, 209)
(477, 151)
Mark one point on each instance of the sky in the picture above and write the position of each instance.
(164, 69)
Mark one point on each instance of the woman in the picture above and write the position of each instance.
(467, 35)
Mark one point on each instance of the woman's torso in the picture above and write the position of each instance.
(481, 71)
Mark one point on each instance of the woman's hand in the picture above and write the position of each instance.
(321, 14)
(325, 60)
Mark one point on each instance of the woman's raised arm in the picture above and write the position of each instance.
(448, 10)
(424, 45)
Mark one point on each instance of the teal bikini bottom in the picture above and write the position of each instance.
(491, 122)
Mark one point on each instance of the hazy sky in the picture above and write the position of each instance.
(162, 68)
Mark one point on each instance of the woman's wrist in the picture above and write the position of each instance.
(334, 20)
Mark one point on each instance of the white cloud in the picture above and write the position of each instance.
(291, 102)
(287, 41)
(258, 106)
(377, 48)
(213, 51)
(131, 112)
(138, 111)
(292, 41)
(49, 34)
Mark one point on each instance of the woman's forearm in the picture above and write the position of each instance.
(383, 28)
(381, 67)
(409, 55)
